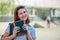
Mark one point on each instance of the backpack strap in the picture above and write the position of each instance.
(11, 28)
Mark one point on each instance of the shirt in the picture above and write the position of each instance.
(31, 30)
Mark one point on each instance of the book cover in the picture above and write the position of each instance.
(20, 24)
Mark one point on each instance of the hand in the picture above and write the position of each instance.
(25, 27)
(16, 29)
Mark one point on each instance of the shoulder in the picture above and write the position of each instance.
(31, 27)
(9, 24)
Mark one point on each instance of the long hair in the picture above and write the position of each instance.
(16, 18)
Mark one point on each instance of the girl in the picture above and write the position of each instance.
(20, 14)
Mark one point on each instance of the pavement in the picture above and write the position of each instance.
(48, 33)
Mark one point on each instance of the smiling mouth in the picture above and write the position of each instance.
(24, 16)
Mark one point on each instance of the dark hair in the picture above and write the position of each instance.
(16, 14)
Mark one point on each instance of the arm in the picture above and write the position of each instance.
(7, 37)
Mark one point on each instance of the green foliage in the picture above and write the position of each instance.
(4, 8)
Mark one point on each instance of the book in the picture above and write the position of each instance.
(20, 25)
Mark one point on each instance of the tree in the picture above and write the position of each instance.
(6, 6)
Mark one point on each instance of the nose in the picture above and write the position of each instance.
(23, 14)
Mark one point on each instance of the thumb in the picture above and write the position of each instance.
(24, 22)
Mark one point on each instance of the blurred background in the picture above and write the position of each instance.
(40, 12)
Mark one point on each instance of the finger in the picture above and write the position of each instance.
(24, 25)
(24, 28)
(17, 27)
(17, 30)
(24, 22)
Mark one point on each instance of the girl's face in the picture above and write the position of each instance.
(22, 14)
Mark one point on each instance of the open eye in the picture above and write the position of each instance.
(25, 11)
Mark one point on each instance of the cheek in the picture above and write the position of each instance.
(26, 15)
(20, 16)
(23, 16)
